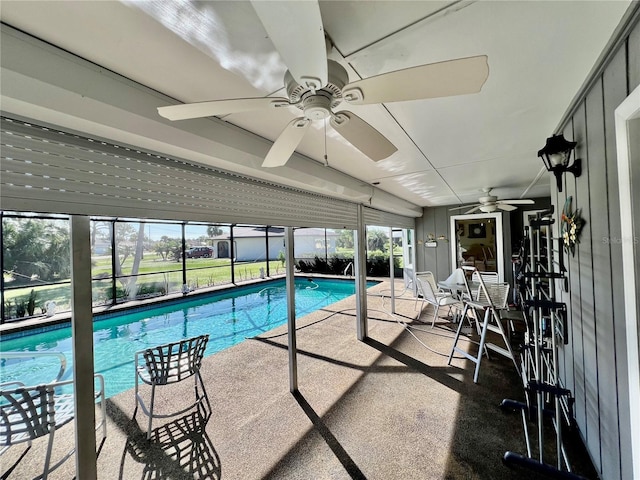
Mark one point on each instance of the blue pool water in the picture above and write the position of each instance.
(228, 317)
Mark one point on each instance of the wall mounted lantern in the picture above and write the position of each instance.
(556, 155)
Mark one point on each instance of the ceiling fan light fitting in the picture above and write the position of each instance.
(488, 208)
(317, 107)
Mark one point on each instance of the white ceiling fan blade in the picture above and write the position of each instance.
(362, 136)
(465, 206)
(454, 77)
(506, 207)
(286, 143)
(523, 201)
(296, 30)
(474, 209)
(220, 107)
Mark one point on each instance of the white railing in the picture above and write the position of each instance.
(349, 266)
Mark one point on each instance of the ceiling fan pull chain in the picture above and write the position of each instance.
(326, 158)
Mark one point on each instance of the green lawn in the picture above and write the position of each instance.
(155, 276)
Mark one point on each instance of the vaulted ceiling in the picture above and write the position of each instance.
(539, 53)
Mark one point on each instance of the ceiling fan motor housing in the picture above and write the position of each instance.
(300, 94)
(488, 199)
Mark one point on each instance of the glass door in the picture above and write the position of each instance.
(478, 242)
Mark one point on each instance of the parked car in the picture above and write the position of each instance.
(199, 252)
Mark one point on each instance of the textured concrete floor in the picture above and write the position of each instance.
(386, 408)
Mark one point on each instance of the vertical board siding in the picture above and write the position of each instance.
(615, 91)
(429, 226)
(604, 337)
(593, 364)
(587, 312)
(634, 58)
(442, 225)
(575, 303)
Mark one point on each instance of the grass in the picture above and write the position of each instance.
(156, 276)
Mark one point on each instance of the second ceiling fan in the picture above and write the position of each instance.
(316, 85)
(490, 203)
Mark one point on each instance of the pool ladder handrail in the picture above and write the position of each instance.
(349, 265)
(60, 355)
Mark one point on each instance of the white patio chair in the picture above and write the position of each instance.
(167, 364)
(31, 412)
(429, 295)
(487, 277)
(429, 277)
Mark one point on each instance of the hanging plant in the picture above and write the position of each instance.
(571, 223)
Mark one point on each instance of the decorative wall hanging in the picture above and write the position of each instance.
(571, 224)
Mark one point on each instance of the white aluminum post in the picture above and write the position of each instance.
(82, 338)
(392, 272)
(291, 310)
(361, 276)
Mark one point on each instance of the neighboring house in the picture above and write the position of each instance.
(250, 242)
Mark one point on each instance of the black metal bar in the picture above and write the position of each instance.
(512, 459)
(548, 388)
(266, 241)
(114, 259)
(184, 256)
(232, 252)
(535, 303)
(543, 274)
(1, 269)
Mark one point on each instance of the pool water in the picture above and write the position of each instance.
(228, 317)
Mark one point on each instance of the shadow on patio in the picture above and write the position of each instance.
(389, 407)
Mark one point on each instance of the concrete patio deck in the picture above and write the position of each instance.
(386, 408)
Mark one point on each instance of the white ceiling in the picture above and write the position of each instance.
(539, 54)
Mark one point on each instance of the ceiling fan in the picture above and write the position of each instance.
(490, 203)
(317, 85)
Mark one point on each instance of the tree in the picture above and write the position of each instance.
(100, 229)
(345, 240)
(214, 231)
(376, 239)
(36, 248)
(126, 236)
(169, 248)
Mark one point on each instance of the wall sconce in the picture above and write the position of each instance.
(442, 238)
(556, 155)
(430, 237)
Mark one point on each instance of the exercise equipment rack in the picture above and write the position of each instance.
(546, 327)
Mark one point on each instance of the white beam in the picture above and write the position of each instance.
(627, 117)
(291, 310)
(82, 338)
(361, 276)
(392, 272)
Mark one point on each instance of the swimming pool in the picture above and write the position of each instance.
(228, 317)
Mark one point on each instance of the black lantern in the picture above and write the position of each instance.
(556, 155)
